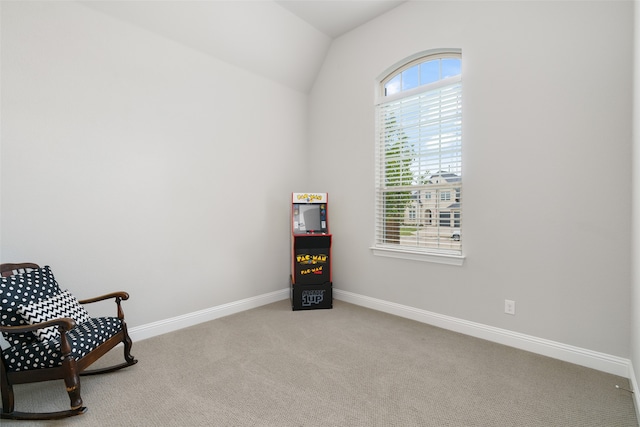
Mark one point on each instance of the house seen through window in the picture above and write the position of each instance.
(419, 157)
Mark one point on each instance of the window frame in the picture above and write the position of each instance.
(379, 247)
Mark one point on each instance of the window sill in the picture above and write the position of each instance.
(448, 259)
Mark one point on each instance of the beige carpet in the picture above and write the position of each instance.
(349, 366)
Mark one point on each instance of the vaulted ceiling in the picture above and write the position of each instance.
(282, 40)
(336, 17)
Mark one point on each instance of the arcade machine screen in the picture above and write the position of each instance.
(309, 218)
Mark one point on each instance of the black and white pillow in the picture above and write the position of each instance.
(20, 289)
(61, 305)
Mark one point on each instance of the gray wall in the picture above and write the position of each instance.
(635, 301)
(546, 160)
(132, 162)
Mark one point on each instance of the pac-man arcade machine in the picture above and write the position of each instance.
(311, 284)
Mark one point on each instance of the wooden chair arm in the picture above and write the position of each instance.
(121, 295)
(66, 323)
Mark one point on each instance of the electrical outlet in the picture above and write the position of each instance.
(510, 307)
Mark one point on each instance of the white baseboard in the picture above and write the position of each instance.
(149, 330)
(579, 356)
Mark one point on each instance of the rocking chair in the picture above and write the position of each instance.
(51, 337)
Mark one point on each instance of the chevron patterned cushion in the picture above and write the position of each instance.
(55, 307)
(17, 271)
(20, 289)
(83, 339)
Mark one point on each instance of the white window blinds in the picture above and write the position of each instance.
(419, 169)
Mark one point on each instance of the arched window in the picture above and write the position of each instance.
(419, 151)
